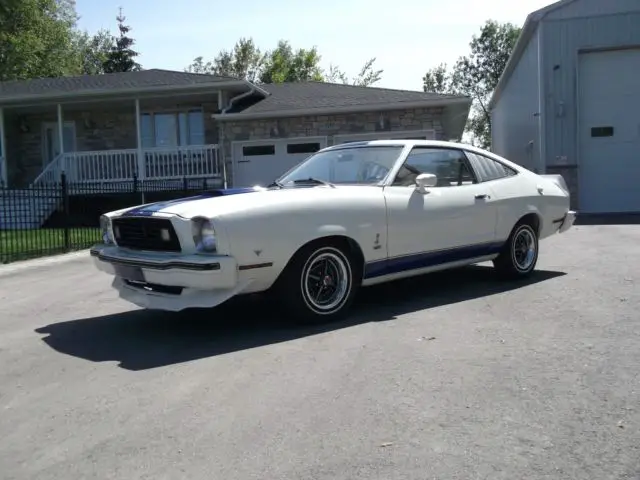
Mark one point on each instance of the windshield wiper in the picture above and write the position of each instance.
(275, 184)
(313, 181)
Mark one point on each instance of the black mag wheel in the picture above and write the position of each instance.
(319, 284)
(520, 253)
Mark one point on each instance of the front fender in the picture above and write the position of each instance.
(275, 238)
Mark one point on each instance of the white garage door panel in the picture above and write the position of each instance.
(262, 162)
(609, 157)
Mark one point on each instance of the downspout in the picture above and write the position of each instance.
(225, 110)
(542, 104)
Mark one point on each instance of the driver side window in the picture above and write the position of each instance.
(449, 165)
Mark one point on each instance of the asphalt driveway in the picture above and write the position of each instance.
(449, 376)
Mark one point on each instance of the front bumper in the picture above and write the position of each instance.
(169, 281)
(567, 221)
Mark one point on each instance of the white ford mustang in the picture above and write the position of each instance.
(349, 216)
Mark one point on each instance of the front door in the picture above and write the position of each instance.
(453, 221)
(51, 140)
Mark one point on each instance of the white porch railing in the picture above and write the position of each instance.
(112, 166)
(106, 166)
(100, 166)
(51, 173)
(191, 161)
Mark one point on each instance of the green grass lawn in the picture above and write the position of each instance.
(24, 244)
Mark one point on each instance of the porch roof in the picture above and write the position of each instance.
(113, 84)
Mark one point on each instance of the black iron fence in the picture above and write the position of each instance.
(48, 219)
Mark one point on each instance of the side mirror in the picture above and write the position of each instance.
(426, 180)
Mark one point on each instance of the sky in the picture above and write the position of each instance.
(407, 37)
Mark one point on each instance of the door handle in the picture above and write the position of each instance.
(482, 196)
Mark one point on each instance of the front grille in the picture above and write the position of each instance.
(155, 234)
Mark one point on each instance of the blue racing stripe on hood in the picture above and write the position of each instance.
(149, 210)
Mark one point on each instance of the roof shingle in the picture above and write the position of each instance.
(115, 81)
(310, 95)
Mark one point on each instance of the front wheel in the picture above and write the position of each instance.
(319, 284)
(520, 253)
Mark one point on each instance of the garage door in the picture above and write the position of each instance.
(260, 163)
(406, 135)
(609, 131)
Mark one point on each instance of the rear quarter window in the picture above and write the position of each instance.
(489, 169)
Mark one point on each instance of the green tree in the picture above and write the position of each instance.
(36, 37)
(121, 57)
(282, 64)
(437, 80)
(199, 66)
(92, 51)
(477, 74)
(365, 78)
(244, 61)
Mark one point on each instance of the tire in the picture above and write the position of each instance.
(319, 284)
(520, 253)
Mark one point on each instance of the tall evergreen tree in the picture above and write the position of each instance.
(121, 58)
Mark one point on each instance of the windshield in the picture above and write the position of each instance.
(350, 165)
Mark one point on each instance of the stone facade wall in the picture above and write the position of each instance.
(328, 125)
(105, 128)
(570, 175)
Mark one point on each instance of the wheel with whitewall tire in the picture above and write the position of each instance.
(319, 284)
(519, 254)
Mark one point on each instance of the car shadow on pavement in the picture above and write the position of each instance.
(145, 339)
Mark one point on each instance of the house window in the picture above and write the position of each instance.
(171, 129)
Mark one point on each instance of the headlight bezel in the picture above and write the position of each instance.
(106, 229)
(204, 235)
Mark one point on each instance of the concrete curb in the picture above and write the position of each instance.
(25, 265)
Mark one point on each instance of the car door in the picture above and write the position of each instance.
(453, 221)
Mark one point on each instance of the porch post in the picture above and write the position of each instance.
(3, 150)
(61, 137)
(140, 154)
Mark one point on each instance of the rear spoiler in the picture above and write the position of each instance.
(558, 180)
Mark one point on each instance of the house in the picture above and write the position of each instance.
(160, 124)
(568, 101)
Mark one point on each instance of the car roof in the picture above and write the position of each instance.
(399, 142)
(424, 143)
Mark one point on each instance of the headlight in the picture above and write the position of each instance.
(107, 232)
(204, 236)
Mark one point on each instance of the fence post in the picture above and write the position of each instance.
(184, 186)
(64, 190)
(136, 188)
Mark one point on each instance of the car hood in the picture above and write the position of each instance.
(222, 202)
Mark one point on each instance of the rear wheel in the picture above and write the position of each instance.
(520, 253)
(319, 283)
